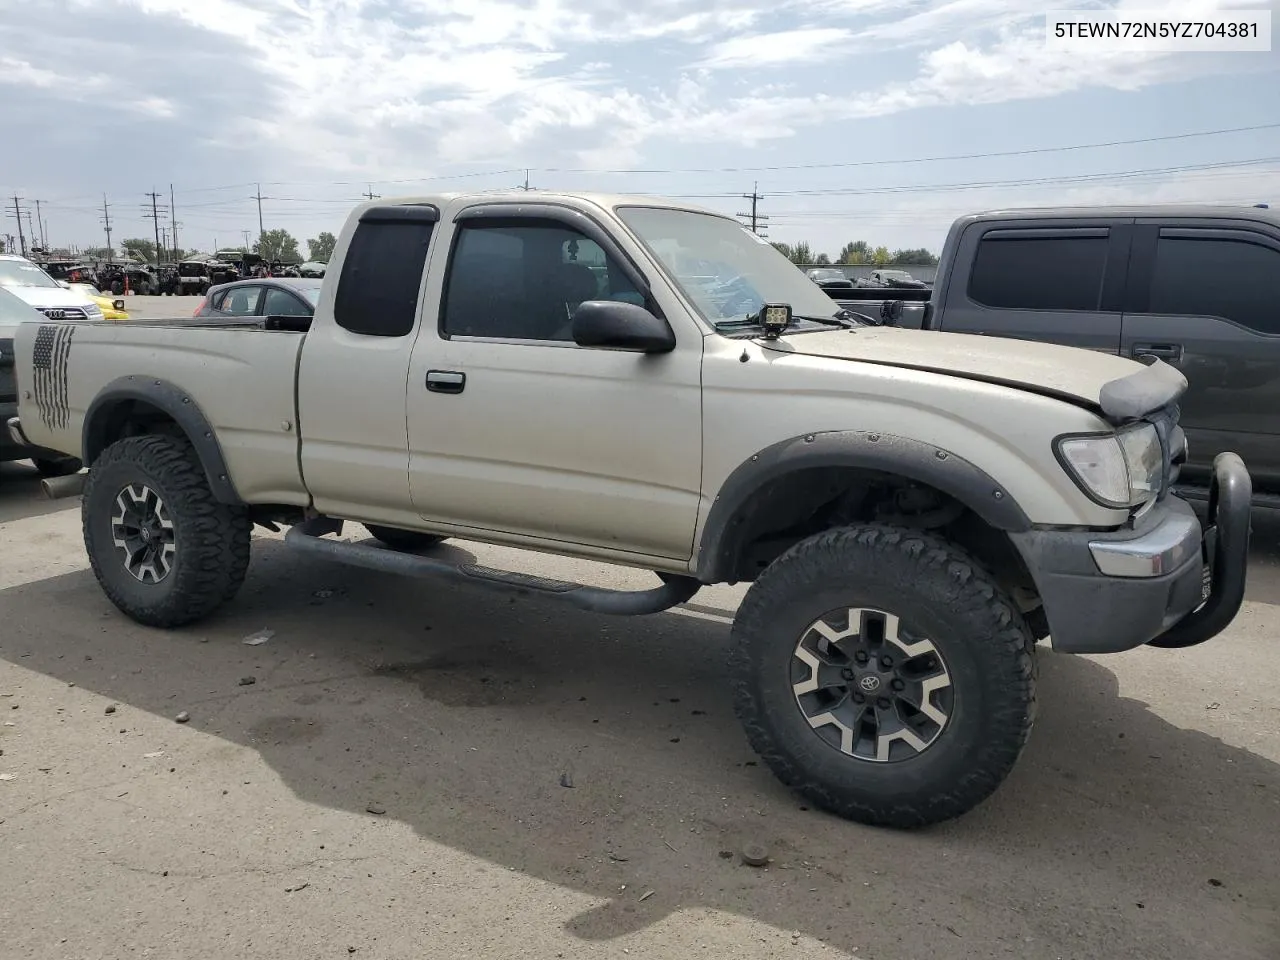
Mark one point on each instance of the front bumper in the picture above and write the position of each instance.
(1167, 582)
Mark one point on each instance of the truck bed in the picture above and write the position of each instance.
(238, 373)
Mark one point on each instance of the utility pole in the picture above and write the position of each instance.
(245, 234)
(261, 229)
(44, 238)
(32, 230)
(526, 179)
(757, 219)
(106, 222)
(370, 194)
(173, 221)
(154, 216)
(17, 215)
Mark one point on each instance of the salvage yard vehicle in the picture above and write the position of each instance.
(1196, 285)
(642, 383)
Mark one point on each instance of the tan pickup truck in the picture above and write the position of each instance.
(637, 382)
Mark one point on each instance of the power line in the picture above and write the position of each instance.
(1032, 151)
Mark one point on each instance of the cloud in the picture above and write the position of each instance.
(208, 92)
(762, 49)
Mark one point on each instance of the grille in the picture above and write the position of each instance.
(64, 313)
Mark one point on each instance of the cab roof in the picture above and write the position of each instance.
(601, 200)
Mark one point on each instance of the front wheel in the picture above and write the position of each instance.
(403, 539)
(164, 549)
(884, 675)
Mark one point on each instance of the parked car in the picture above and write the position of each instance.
(50, 463)
(830, 279)
(911, 509)
(313, 269)
(1197, 286)
(28, 282)
(265, 297)
(113, 308)
(892, 278)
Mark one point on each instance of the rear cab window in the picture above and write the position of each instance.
(382, 270)
(1036, 270)
(1230, 274)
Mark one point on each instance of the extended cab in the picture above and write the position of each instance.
(1196, 286)
(640, 383)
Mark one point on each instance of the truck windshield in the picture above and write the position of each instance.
(727, 271)
(20, 273)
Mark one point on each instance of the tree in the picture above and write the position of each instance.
(322, 246)
(881, 256)
(99, 253)
(277, 245)
(801, 253)
(919, 256)
(822, 260)
(144, 250)
(782, 248)
(858, 251)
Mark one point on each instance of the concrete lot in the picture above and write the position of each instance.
(1142, 822)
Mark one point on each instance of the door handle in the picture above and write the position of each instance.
(446, 381)
(1164, 351)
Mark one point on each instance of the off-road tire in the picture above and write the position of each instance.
(211, 538)
(57, 467)
(984, 641)
(408, 540)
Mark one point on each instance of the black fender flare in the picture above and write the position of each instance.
(174, 402)
(719, 544)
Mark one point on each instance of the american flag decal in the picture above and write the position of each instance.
(49, 359)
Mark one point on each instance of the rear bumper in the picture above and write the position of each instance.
(14, 444)
(1167, 582)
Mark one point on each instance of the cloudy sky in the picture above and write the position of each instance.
(872, 119)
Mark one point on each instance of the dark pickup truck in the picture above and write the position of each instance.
(1196, 286)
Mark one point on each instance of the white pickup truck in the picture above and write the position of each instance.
(637, 382)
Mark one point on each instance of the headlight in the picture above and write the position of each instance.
(1124, 469)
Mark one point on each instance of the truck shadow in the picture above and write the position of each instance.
(602, 754)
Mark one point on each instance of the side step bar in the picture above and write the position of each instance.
(308, 537)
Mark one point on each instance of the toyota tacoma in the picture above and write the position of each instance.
(638, 382)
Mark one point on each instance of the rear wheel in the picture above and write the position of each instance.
(403, 539)
(164, 549)
(882, 674)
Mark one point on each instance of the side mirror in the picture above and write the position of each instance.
(612, 324)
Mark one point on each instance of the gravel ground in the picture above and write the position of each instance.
(390, 783)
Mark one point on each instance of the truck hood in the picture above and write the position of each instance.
(45, 297)
(1119, 388)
